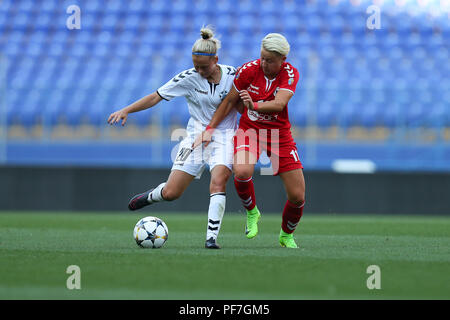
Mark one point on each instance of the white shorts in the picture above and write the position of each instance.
(218, 152)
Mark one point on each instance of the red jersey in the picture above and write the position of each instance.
(251, 78)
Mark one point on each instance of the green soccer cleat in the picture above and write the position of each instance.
(251, 229)
(287, 240)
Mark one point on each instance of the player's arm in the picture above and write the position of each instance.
(231, 101)
(278, 104)
(139, 105)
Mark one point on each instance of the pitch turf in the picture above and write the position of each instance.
(413, 254)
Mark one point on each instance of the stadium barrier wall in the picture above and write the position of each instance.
(109, 189)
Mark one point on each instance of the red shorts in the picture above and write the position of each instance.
(282, 151)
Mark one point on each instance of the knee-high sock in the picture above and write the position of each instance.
(246, 192)
(291, 216)
(215, 214)
(156, 194)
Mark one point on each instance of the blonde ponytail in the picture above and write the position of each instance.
(207, 45)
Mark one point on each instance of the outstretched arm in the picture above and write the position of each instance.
(139, 105)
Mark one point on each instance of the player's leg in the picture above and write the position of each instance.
(176, 184)
(187, 165)
(217, 188)
(294, 184)
(288, 166)
(243, 167)
(184, 170)
(219, 156)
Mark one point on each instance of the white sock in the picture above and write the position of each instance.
(215, 214)
(156, 194)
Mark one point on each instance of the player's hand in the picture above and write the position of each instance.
(117, 116)
(205, 137)
(246, 99)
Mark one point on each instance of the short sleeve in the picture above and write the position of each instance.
(244, 76)
(289, 80)
(176, 87)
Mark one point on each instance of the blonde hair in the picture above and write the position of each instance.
(207, 44)
(277, 43)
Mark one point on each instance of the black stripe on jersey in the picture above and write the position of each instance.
(183, 75)
(213, 221)
(212, 87)
(161, 95)
(231, 71)
(213, 229)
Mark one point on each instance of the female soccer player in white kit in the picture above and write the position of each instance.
(204, 87)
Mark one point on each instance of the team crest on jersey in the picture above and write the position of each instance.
(290, 81)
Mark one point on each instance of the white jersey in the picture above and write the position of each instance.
(203, 97)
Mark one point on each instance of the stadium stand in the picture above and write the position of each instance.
(356, 84)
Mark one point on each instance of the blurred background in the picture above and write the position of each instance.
(368, 100)
(381, 95)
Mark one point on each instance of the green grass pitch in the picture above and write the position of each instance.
(413, 254)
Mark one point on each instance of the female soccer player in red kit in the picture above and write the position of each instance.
(265, 86)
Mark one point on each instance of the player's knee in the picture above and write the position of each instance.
(297, 198)
(170, 194)
(242, 173)
(219, 179)
(216, 189)
(218, 184)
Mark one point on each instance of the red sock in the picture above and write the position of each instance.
(246, 192)
(291, 216)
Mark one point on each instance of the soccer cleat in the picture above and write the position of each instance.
(139, 201)
(251, 228)
(287, 240)
(211, 244)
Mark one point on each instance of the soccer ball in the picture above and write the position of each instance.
(150, 232)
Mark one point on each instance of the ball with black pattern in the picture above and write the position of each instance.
(150, 232)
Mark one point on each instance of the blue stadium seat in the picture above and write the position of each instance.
(370, 114)
(392, 115)
(13, 100)
(312, 24)
(326, 114)
(115, 6)
(3, 19)
(435, 115)
(110, 21)
(30, 108)
(336, 25)
(92, 6)
(7, 6)
(245, 6)
(349, 113)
